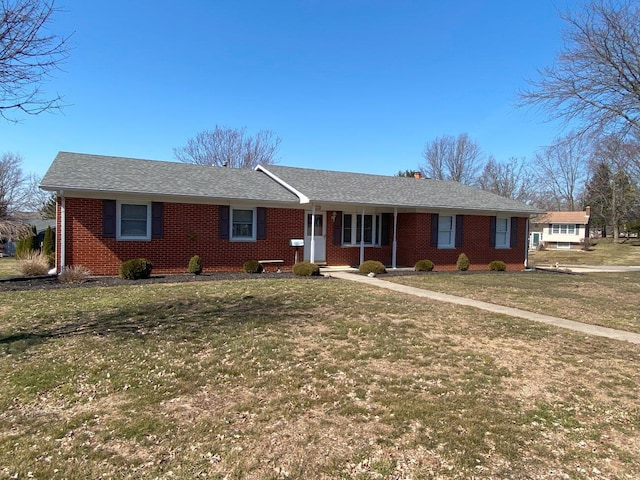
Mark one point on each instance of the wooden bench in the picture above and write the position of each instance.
(277, 264)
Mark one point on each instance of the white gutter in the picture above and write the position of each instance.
(303, 198)
(63, 233)
(395, 242)
(362, 239)
(526, 244)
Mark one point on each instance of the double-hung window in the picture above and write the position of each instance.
(243, 223)
(503, 234)
(446, 231)
(133, 221)
(352, 231)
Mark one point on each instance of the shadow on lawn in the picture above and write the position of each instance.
(186, 320)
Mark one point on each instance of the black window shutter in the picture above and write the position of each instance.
(385, 229)
(109, 218)
(223, 224)
(157, 219)
(337, 229)
(514, 232)
(492, 232)
(434, 229)
(459, 224)
(261, 232)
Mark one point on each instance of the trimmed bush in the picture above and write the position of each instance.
(306, 269)
(497, 266)
(135, 269)
(423, 266)
(463, 262)
(372, 266)
(33, 263)
(195, 265)
(74, 274)
(252, 266)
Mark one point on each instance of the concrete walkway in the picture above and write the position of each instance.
(592, 268)
(491, 307)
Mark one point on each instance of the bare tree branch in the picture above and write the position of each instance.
(230, 147)
(511, 179)
(596, 78)
(452, 158)
(28, 55)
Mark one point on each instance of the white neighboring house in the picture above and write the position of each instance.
(560, 229)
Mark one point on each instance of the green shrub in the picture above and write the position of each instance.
(423, 266)
(195, 265)
(252, 266)
(27, 244)
(306, 269)
(372, 266)
(463, 262)
(497, 266)
(48, 246)
(33, 263)
(135, 269)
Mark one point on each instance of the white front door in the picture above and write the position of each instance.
(319, 235)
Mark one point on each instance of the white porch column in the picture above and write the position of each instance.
(395, 243)
(312, 247)
(362, 238)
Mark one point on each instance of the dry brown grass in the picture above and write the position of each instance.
(603, 251)
(303, 378)
(606, 299)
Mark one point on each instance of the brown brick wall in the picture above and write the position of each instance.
(189, 229)
(192, 229)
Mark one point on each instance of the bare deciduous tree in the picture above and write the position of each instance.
(611, 191)
(18, 192)
(452, 158)
(230, 147)
(562, 171)
(595, 79)
(511, 179)
(28, 55)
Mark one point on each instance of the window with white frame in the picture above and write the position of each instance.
(133, 221)
(352, 229)
(503, 236)
(446, 231)
(243, 221)
(563, 228)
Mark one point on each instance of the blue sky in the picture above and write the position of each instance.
(357, 85)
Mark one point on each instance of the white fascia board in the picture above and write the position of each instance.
(303, 198)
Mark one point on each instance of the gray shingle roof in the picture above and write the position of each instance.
(364, 189)
(97, 173)
(76, 171)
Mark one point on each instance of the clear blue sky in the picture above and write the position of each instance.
(357, 85)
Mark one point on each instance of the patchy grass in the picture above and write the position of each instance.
(606, 299)
(303, 378)
(603, 251)
(8, 267)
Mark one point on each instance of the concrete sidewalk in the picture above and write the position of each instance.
(591, 268)
(513, 312)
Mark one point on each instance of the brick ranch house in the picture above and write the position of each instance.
(112, 209)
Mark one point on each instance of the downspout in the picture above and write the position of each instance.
(63, 232)
(395, 243)
(362, 238)
(312, 248)
(526, 244)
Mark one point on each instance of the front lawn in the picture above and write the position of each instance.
(8, 267)
(606, 299)
(302, 378)
(602, 251)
